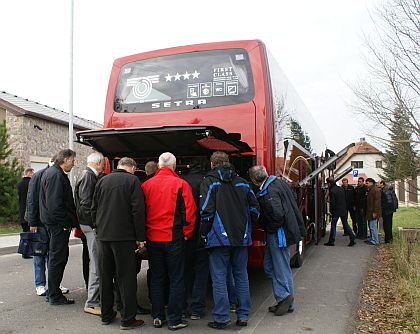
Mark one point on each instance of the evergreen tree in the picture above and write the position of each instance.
(299, 135)
(400, 156)
(10, 174)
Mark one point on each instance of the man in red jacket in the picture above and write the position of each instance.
(170, 219)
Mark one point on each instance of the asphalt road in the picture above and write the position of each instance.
(327, 292)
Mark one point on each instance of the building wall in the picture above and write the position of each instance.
(369, 165)
(34, 147)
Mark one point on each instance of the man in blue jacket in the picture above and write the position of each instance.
(228, 208)
(283, 223)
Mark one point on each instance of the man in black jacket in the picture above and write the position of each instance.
(118, 213)
(22, 188)
(349, 192)
(360, 196)
(283, 223)
(338, 209)
(228, 208)
(196, 259)
(58, 214)
(83, 194)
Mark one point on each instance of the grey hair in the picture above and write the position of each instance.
(167, 159)
(127, 162)
(151, 167)
(94, 158)
(258, 173)
(64, 154)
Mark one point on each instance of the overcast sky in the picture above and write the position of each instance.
(318, 44)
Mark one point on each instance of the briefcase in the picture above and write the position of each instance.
(32, 244)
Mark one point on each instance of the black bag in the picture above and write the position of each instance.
(32, 244)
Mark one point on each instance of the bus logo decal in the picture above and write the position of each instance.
(142, 86)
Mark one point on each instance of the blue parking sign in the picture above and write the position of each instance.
(355, 173)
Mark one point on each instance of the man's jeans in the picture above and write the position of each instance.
(277, 268)
(40, 262)
(373, 227)
(167, 259)
(93, 285)
(199, 290)
(220, 257)
(347, 228)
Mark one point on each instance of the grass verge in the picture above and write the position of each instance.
(407, 262)
(10, 228)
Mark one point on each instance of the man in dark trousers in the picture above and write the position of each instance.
(338, 209)
(228, 209)
(196, 259)
(389, 204)
(170, 221)
(284, 225)
(118, 215)
(58, 214)
(349, 192)
(22, 188)
(360, 195)
(83, 195)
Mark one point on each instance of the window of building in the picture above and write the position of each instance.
(378, 164)
(357, 164)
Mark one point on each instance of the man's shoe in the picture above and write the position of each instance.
(329, 243)
(158, 323)
(95, 310)
(371, 243)
(241, 323)
(218, 325)
(62, 301)
(135, 323)
(64, 290)
(142, 310)
(352, 243)
(40, 290)
(180, 325)
(108, 321)
(273, 308)
(284, 305)
(195, 316)
(26, 257)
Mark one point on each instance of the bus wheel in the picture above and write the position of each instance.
(297, 259)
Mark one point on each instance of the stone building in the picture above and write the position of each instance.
(37, 131)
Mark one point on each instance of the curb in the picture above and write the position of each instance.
(13, 249)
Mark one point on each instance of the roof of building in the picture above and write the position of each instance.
(361, 147)
(22, 106)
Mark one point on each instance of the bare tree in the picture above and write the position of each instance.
(393, 60)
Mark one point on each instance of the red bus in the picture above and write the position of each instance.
(230, 96)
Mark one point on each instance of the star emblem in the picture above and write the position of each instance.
(195, 74)
(168, 78)
(186, 75)
(177, 76)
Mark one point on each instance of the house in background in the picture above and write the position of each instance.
(37, 131)
(365, 159)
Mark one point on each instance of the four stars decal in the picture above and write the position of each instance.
(186, 76)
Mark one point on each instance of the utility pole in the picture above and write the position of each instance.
(71, 86)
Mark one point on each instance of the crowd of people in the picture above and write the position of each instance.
(366, 204)
(193, 226)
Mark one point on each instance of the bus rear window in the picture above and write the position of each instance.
(185, 81)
